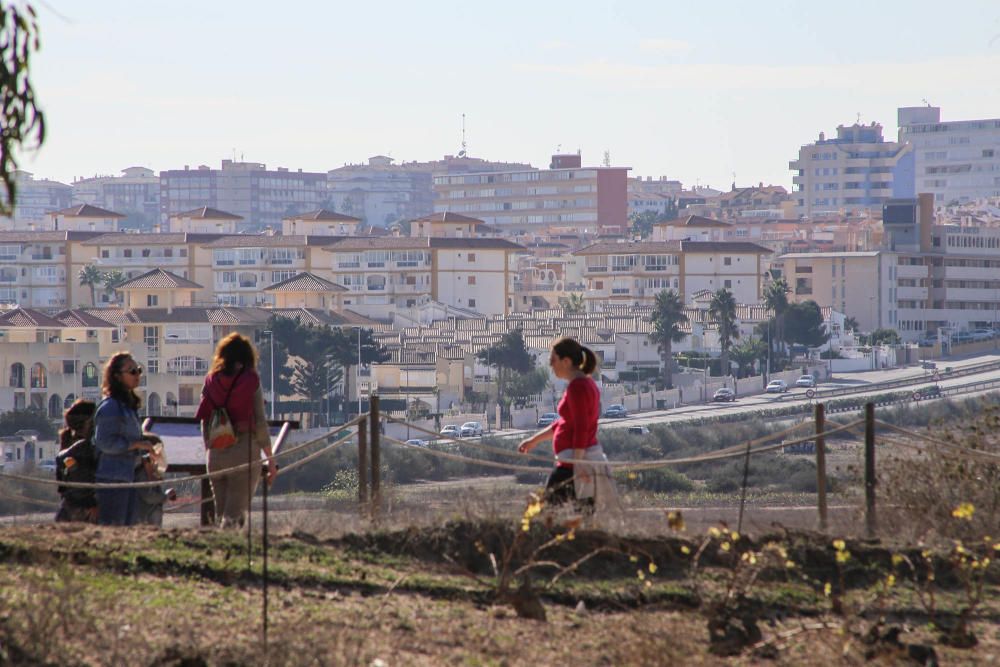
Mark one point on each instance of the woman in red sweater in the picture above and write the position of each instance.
(574, 434)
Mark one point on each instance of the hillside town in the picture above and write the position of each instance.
(893, 243)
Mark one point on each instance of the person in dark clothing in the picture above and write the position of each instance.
(77, 462)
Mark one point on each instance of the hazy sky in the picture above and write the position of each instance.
(689, 90)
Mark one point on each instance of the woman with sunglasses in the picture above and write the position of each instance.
(118, 439)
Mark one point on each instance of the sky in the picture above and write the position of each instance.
(697, 92)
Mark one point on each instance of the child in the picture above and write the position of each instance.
(150, 499)
(77, 462)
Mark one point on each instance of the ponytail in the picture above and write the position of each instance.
(581, 356)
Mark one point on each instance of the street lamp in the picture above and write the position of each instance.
(76, 367)
(270, 335)
(357, 371)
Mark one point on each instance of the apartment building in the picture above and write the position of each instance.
(135, 193)
(635, 272)
(320, 222)
(566, 195)
(40, 269)
(856, 171)
(384, 274)
(381, 192)
(955, 161)
(203, 220)
(243, 265)
(261, 196)
(35, 198)
(82, 218)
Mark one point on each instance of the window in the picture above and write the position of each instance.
(90, 376)
(472, 303)
(69, 367)
(38, 377)
(472, 256)
(727, 261)
(727, 284)
(472, 280)
(151, 300)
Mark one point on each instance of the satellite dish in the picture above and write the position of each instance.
(461, 153)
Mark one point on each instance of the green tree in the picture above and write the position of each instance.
(112, 279)
(748, 351)
(850, 324)
(885, 337)
(315, 380)
(667, 318)
(804, 325)
(522, 386)
(508, 355)
(642, 223)
(91, 276)
(28, 419)
(722, 311)
(21, 121)
(574, 304)
(776, 300)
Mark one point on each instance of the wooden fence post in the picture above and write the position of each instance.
(376, 465)
(362, 463)
(871, 522)
(821, 465)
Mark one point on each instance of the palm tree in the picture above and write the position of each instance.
(667, 318)
(574, 304)
(722, 310)
(850, 324)
(776, 300)
(91, 276)
(112, 279)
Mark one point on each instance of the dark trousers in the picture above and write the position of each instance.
(116, 507)
(559, 489)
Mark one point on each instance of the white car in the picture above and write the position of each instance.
(417, 442)
(776, 387)
(805, 381)
(451, 431)
(471, 430)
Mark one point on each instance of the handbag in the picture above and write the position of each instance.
(221, 434)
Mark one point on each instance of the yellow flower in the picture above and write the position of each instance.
(890, 580)
(827, 589)
(749, 557)
(634, 559)
(839, 545)
(714, 532)
(996, 547)
(640, 574)
(652, 567)
(632, 475)
(685, 549)
(897, 560)
(843, 556)
(725, 546)
(964, 511)
(735, 536)
(789, 564)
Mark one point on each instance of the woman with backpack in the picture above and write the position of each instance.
(234, 428)
(118, 440)
(77, 462)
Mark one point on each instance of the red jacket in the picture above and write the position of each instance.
(578, 410)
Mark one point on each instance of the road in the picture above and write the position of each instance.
(868, 383)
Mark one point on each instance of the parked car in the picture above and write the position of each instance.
(417, 441)
(924, 393)
(638, 430)
(616, 411)
(805, 381)
(546, 419)
(48, 465)
(776, 387)
(471, 430)
(724, 394)
(451, 431)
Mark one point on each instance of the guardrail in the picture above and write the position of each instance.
(819, 395)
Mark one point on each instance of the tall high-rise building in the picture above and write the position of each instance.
(565, 195)
(261, 196)
(957, 161)
(35, 198)
(856, 171)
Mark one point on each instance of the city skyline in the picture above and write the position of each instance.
(696, 95)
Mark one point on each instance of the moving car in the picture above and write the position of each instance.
(923, 393)
(417, 441)
(776, 387)
(471, 430)
(805, 381)
(616, 411)
(638, 430)
(724, 394)
(451, 431)
(546, 419)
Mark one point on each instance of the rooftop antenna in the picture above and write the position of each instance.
(925, 102)
(463, 152)
(859, 118)
(607, 158)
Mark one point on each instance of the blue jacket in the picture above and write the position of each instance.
(116, 426)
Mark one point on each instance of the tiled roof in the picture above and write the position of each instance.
(346, 317)
(305, 282)
(323, 215)
(724, 246)
(207, 213)
(268, 241)
(447, 216)
(29, 318)
(81, 318)
(87, 211)
(163, 238)
(693, 221)
(159, 279)
(629, 248)
(377, 243)
(114, 314)
(46, 236)
(473, 243)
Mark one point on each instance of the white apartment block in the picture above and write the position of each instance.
(567, 195)
(635, 272)
(956, 161)
(35, 198)
(136, 192)
(40, 269)
(854, 172)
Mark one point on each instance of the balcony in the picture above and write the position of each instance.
(597, 269)
(348, 265)
(248, 283)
